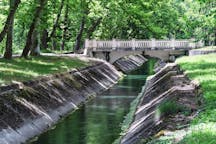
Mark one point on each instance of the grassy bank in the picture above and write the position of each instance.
(203, 69)
(21, 69)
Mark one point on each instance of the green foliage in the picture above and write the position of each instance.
(200, 134)
(203, 69)
(200, 137)
(170, 107)
(122, 19)
(22, 69)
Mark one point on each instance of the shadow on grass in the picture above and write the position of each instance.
(203, 69)
(22, 69)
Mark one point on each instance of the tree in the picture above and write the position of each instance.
(32, 28)
(85, 12)
(8, 29)
(65, 27)
(55, 25)
(13, 7)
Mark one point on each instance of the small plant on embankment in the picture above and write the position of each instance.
(170, 107)
(202, 68)
(21, 69)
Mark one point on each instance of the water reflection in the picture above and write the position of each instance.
(98, 122)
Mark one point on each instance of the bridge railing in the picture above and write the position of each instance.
(153, 43)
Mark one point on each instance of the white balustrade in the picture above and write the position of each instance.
(153, 43)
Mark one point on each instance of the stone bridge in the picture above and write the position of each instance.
(112, 50)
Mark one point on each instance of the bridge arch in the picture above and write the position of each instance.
(112, 56)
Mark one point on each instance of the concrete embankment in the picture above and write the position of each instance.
(201, 52)
(129, 63)
(30, 108)
(168, 84)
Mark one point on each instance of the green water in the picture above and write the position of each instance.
(99, 121)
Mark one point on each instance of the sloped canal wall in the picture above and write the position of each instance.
(30, 108)
(130, 63)
(169, 83)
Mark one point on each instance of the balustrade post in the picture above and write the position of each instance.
(94, 43)
(153, 43)
(192, 43)
(133, 44)
(86, 43)
(172, 43)
(114, 44)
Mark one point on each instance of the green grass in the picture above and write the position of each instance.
(170, 107)
(21, 69)
(202, 68)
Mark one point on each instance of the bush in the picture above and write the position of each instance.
(170, 107)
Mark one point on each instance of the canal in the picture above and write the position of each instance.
(99, 121)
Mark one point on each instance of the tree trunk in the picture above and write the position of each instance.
(44, 39)
(9, 42)
(33, 26)
(54, 44)
(93, 27)
(52, 34)
(35, 49)
(79, 35)
(65, 28)
(86, 10)
(13, 7)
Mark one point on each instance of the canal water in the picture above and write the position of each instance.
(99, 121)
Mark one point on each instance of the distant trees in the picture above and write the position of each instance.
(54, 25)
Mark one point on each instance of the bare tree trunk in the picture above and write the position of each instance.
(13, 7)
(54, 44)
(9, 42)
(85, 5)
(28, 44)
(65, 28)
(79, 35)
(35, 49)
(52, 34)
(44, 39)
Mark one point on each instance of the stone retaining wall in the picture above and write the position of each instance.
(169, 83)
(200, 52)
(28, 109)
(129, 63)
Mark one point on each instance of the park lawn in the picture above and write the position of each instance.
(202, 68)
(20, 69)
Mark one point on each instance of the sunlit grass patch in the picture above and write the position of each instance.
(201, 134)
(21, 69)
(203, 69)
